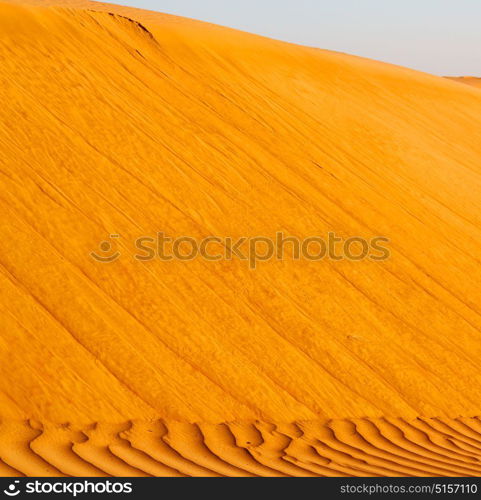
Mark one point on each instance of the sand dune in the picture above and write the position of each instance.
(468, 80)
(360, 447)
(119, 121)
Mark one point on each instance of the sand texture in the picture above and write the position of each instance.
(120, 121)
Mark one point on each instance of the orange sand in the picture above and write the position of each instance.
(358, 447)
(116, 120)
(468, 80)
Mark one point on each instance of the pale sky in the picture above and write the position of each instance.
(438, 36)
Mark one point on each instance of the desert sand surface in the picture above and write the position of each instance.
(121, 121)
(468, 80)
(366, 447)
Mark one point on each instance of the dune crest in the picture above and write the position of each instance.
(126, 122)
(468, 80)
